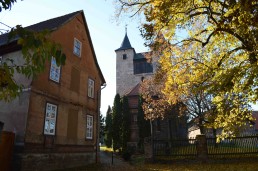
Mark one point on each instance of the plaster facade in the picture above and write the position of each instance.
(25, 115)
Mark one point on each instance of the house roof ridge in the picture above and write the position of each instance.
(49, 24)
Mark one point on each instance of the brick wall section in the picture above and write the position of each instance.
(51, 161)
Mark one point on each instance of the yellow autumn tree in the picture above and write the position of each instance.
(209, 43)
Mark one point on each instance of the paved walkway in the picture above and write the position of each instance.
(106, 159)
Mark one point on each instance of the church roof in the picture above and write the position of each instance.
(143, 55)
(125, 44)
(134, 91)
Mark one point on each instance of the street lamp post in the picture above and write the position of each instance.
(154, 97)
(151, 129)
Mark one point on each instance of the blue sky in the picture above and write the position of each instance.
(106, 33)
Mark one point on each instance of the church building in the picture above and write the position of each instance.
(131, 69)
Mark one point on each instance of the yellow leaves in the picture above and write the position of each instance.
(229, 12)
(218, 54)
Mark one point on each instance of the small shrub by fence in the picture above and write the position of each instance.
(203, 148)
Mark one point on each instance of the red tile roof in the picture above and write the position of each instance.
(134, 91)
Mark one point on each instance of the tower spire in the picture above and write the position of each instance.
(126, 43)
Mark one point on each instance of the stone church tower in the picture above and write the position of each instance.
(131, 67)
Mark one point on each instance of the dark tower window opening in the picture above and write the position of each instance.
(124, 56)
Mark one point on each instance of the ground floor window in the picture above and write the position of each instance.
(50, 119)
(89, 129)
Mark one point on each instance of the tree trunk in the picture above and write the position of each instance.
(201, 126)
(214, 132)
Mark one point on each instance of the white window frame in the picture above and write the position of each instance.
(91, 84)
(50, 117)
(89, 127)
(55, 71)
(77, 47)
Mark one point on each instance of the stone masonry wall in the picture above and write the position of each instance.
(125, 78)
(51, 161)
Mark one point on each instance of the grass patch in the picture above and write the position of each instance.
(107, 149)
(200, 167)
(245, 166)
(104, 148)
(137, 160)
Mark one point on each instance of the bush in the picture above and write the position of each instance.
(126, 156)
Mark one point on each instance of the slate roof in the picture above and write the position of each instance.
(51, 24)
(143, 55)
(125, 44)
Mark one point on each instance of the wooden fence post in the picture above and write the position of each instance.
(201, 146)
(6, 150)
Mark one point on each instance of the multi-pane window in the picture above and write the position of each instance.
(50, 119)
(77, 47)
(91, 88)
(89, 127)
(54, 71)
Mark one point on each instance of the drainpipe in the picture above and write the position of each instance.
(98, 121)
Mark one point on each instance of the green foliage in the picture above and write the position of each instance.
(143, 125)
(108, 128)
(6, 4)
(126, 119)
(101, 127)
(117, 122)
